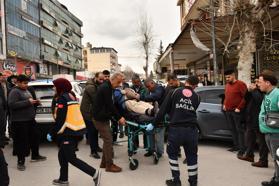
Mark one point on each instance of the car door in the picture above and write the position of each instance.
(211, 118)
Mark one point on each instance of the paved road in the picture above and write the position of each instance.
(217, 167)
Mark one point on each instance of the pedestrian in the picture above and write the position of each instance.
(68, 129)
(181, 105)
(254, 99)
(173, 83)
(142, 91)
(234, 105)
(270, 104)
(155, 96)
(3, 107)
(4, 177)
(138, 86)
(86, 110)
(106, 74)
(22, 113)
(103, 111)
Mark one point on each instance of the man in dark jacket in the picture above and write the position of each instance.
(156, 96)
(86, 110)
(103, 111)
(181, 106)
(254, 98)
(3, 107)
(137, 86)
(173, 83)
(4, 178)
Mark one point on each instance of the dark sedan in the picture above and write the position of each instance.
(211, 118)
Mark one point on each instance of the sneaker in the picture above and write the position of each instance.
(97, 178)
(95, 155)
(148, 154)
(261, 164)
(38, 158)
(21, 167)
(60, 182)
(121, 135)
(173, 183)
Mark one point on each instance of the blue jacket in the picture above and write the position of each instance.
(156, 95)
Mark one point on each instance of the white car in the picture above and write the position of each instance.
(45, 92)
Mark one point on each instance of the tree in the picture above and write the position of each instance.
(146, 39)
(247, 17)
(156, 65)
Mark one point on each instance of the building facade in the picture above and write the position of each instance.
(61, 49)
(97, 59)
(43, 38)
(23, 36)
(3, 49)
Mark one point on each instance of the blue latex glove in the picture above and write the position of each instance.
(49, 138)
(149, 127)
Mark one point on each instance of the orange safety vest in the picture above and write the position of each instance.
(74, 119)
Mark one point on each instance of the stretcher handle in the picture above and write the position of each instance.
(135, 124)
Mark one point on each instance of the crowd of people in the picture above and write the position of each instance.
(251, 110)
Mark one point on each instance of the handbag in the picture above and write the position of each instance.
(271, 118)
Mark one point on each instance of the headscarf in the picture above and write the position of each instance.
(62, 86)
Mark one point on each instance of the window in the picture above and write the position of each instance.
(212, 96)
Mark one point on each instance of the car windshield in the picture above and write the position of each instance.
(44, 91)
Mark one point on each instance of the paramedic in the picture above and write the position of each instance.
(181, 105)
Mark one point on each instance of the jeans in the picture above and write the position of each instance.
(4, 177)
(238, 130)
(92, 133)
(105, 132)
(67, 155)
(272, 141)
(159, 140)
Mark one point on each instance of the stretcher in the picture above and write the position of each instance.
(134, 131)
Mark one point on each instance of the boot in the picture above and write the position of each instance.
(246, 158)
(261, 164)
(113, 168)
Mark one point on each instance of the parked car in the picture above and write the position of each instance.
(211, 118)
(45, 92)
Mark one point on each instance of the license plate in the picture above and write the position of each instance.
(43, 110)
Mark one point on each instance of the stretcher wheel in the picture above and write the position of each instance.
(134, 163)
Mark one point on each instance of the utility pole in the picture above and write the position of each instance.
(215, 66)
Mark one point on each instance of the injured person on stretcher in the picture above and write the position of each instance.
(127, 100)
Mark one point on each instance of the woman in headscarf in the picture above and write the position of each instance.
(69, 127)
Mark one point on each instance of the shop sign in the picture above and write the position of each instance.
(9, 65)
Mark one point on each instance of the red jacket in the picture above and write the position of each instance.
(235, 95)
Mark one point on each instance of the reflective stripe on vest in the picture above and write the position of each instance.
(74, 119)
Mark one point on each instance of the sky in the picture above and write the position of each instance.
(115, 23)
